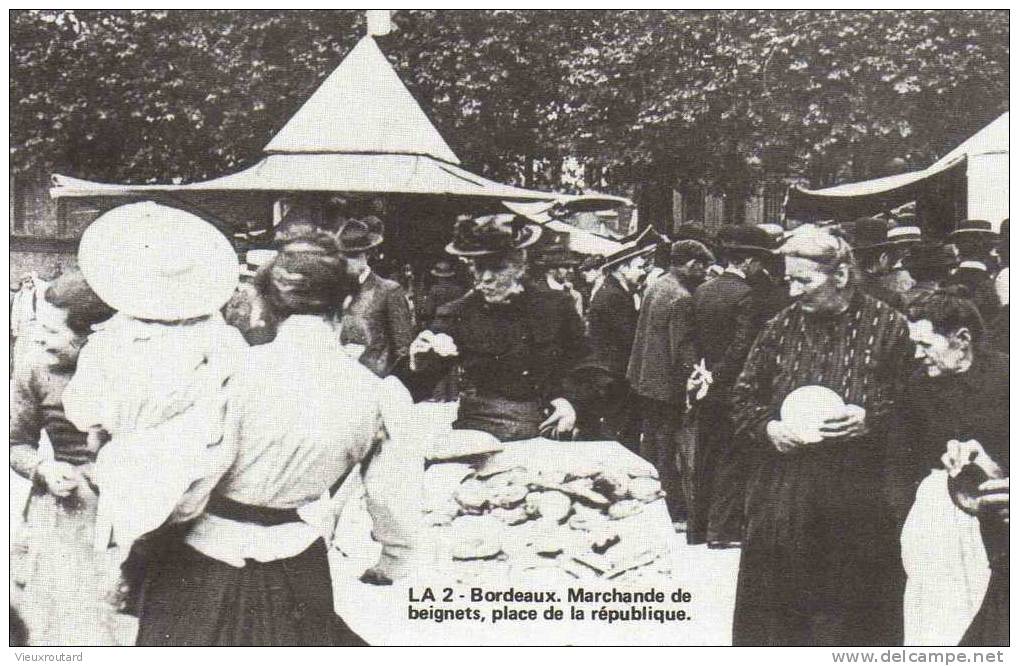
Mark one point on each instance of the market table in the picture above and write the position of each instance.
(480, 548)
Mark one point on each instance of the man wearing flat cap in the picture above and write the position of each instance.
(730, 313)
(514, 344)
(663, 356)
(378, 318)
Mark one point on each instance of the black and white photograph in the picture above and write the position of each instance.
(516, 327)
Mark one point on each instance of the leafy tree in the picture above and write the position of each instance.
(645, 98)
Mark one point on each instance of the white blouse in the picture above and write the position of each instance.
(299, 416)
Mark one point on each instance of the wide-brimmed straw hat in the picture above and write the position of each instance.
(492, 234)
(152, 261)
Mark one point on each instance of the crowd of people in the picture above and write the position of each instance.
(236, 407)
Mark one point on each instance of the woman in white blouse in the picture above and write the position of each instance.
(300, 414)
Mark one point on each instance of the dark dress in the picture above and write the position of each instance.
(716, 303)
(821, 560)
(970, 405)
(514, 358)
(752, 311)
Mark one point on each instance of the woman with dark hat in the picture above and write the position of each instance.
(378, 316)
(514, 343)
(253, 568)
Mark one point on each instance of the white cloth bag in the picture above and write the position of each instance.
(945, 563)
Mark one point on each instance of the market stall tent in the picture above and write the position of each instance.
(977, 168)
(360, 133)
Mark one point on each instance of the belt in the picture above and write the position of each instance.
(224, 507)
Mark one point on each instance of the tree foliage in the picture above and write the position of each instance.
(727, 98)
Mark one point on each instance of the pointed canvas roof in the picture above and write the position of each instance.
(363, 107)
(900, 188)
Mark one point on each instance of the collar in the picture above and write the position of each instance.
(729, 270)
(363, 277)
(978, 265)
(554, 284)
(306, 328)
(619, 283)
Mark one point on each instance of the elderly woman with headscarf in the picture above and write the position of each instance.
(300, 415)
(821, 560)
(61, 586)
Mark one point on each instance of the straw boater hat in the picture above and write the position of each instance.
(151, 261)
(492, 234)
(359, 235)
(973, 230)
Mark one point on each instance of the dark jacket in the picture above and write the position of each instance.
(611, 326)
(522, 350)
(970, 405)
(378, 318)
(664, 350)
(980, 285)
(717, 303)
(874, 286)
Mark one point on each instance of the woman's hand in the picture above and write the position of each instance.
(993, 498)
(784, 438)
(563, 417)
(851, 423)
(60, 478)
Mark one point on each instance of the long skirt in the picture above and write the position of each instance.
(821, 561)
(191, 599)
(990, 626)
(63, 590)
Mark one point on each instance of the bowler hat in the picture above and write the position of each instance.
(685, 251)
(930, 257)
(867, 233)
(752, 240)
(359, 235)
(492, 234)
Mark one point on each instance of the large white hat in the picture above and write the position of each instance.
(151, 261)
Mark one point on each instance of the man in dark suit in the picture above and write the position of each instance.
(378, 318)
(663, 357)
(727, 312)
(611, 325)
